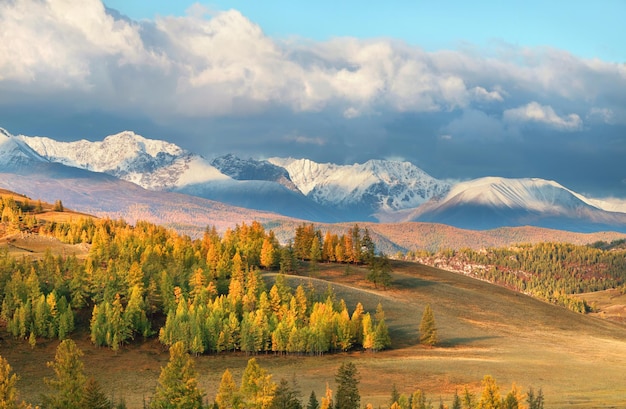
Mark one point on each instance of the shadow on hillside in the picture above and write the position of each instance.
(411, 282)
(460, 341)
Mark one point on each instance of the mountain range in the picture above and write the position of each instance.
(127, 171)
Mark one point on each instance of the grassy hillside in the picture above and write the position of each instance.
(578, 360)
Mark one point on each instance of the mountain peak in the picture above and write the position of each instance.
(135, 143)
(4, 134)
(374, 185)
(15, 153)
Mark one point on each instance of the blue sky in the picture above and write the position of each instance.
(590, 29)
(460, 89)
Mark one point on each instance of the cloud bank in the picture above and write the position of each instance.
(207, 74)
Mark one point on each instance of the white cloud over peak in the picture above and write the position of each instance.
(221, 63)
(535, 112)
(55, 42)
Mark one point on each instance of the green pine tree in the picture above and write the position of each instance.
(313, 402)
(534, 401)
(347, 380)
(93, 397)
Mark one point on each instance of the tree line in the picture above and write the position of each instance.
(177, 388)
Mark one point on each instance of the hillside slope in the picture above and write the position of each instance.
(483, 330)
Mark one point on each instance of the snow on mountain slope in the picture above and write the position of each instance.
(377, 184)
(152, 164)
(15, 153)
(493, 202)
(531, 194)
(610, 204)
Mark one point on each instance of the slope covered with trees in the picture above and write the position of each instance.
(209, 294)
(549, 271)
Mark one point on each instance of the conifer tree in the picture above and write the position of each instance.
(93, 397)
(327, 400)
(268, 254)
(347, 380)
(178, 384)
(513, 399)
(418, 400)
(456, 401)
(428, 329)
(313, 402)
(534, 401)
(257, 387)
(69, 380)
(490, 397)
(382, 340)
(8, 389)
(227, 394)
(468, 400)
(286, 396)
(395, 395)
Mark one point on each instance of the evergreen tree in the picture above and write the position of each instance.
(286, 396)
(58, 206)
(534, 401)
(69, 380)
(428, 329)
(348, 396)
(456, 401)
(313, 402)
(379, 271)
(93, 397)
(382, 340)
(178, 384)
(395, 395)
(469, 400)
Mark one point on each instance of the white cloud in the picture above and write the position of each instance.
(481, 94)
(306, 140)
(56, 42)
(221, 63)
(351, 113)
(535, 112)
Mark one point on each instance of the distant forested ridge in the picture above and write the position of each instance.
(549, 271)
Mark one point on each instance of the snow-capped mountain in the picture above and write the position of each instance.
(376, 190)
(16, 154)
(377, 185)
(493, 202)
(152, 164)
